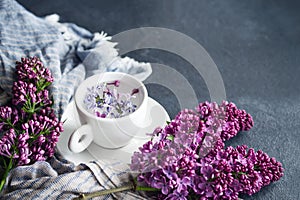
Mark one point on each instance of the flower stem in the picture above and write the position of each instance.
(85, 196)
(8, 168)
(146, 189)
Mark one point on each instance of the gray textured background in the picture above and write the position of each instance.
(255, 44)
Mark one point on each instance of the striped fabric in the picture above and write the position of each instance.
(71, 53)
(60, 179)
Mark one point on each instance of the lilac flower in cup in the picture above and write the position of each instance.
(104, 100)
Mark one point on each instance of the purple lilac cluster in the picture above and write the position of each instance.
(230, 119)
(32, 70)
(28, 124)
(226, 173)
(187, 159)
(105, 101)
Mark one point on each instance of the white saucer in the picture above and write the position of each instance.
(156, 116)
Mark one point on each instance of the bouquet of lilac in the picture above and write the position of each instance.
(188, 160)
(28, 125)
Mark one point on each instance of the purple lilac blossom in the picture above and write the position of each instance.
(26, 94)
(187, 159)
(9, 117)
(32, 70)
(29, 125)
(23, 149)
(7, 142)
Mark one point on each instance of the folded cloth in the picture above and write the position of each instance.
(60, 179)
(71, 53)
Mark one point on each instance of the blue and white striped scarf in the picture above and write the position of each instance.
(71, 53)
(60, 179)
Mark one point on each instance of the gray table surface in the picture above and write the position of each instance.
(255, 44)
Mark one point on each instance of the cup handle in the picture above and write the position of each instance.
(81, 138)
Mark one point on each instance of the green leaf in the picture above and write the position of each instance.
(170, 137)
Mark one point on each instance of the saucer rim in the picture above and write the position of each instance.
(82, 157)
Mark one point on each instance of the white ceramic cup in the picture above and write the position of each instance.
(108, 132)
